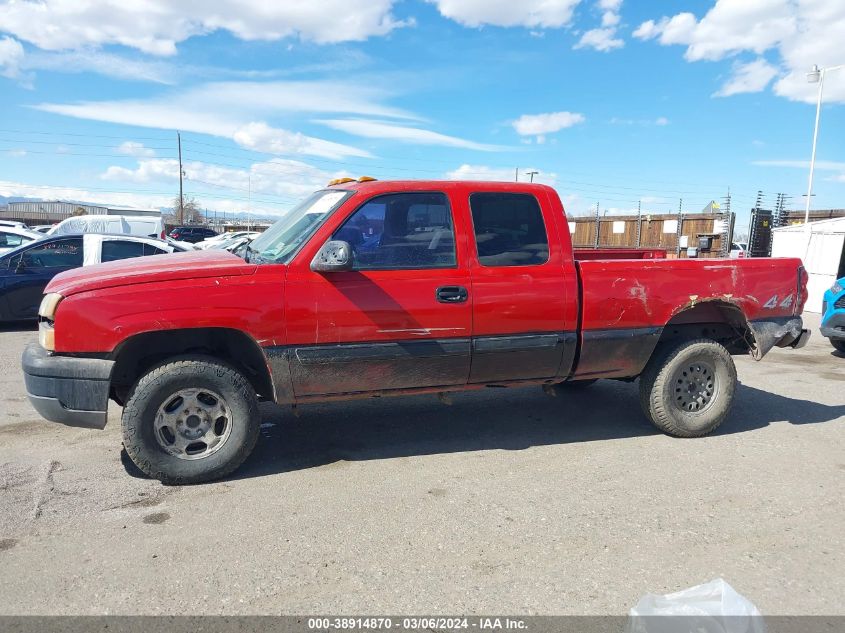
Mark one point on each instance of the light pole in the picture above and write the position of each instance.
(816, 75)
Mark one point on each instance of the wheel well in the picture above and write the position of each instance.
(138, 354)
(717, 320)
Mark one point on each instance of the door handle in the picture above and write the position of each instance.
(452, 294)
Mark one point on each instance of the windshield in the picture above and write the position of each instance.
(279, 243)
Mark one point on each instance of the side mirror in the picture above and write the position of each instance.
(334, 256)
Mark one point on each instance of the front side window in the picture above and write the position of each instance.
(62, 254)
(280, 242)
(114, 250)
(509, 229)
(401, 231)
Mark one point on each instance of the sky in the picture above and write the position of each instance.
(613, 102)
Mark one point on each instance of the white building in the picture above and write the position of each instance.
(822, 249)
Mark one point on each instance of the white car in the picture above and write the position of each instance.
(13, 236)
(141, 225)
(236, 239)
(739, 250)
(100, 247)
(214, 242)
(13, 223)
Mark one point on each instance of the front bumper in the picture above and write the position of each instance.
(66, 389)
(833, 326)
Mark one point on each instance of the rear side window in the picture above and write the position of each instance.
(401, 231)
(10, 240)
(149, 249)
(121, 249)
(509, 229)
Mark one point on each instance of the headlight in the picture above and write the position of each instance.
(836, 288)
(47, 313)
(48, 306)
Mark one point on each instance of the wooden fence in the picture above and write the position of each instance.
(675, 232)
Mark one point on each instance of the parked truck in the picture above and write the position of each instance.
(370, 289)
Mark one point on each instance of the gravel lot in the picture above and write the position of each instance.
(506, 502)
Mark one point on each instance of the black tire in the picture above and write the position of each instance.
(143, 442)
(674, 392)
(838, 344)
(574, 385)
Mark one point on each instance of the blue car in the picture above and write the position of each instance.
(833, 315)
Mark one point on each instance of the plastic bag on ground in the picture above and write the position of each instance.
(714, 607)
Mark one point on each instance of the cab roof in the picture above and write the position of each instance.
(459, 186)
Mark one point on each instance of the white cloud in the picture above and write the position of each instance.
(539, 125)
(751, 77)
(610, 5)
(75, 194)
(263, 138)
(659, 121)
(106, 64)
(133, 148)
(609, 18)
(603, 40)
(803, 165)
(16, 153)
(236, 110)
(286, 179)
(800, 32)
(402, 133)
(499, 174)
(11, 57)
(528, 13)
(157, 26)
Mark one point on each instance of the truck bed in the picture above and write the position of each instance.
(626, 305)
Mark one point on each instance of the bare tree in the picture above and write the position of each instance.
(189, 213)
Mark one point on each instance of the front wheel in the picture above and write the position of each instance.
(687, 390)
(190, 420)
(838, 344)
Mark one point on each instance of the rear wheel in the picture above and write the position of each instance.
(687, 389)
(190, 420)
(838, 344)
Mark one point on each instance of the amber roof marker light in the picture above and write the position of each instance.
(343, 181)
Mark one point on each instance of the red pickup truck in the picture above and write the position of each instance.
(389, 288)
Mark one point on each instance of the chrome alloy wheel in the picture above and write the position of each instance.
(695, 387)
(193, 423)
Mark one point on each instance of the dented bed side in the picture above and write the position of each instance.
(626, 306)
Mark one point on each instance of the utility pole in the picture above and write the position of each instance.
(531, 174)
(598, 221)
(181, 194)
(516, 176)
(680, 206)
(639, 222)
